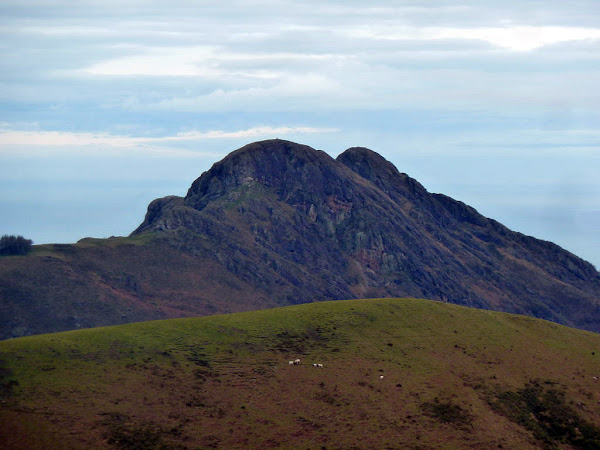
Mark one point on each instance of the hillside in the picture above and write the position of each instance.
(99, 282)
(277, 223)
(397, 373)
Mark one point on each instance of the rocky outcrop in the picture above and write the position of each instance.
(293, 221)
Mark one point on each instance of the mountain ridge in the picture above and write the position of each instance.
(390, 228)
(276, 223)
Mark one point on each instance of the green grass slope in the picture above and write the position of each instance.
(397, 373)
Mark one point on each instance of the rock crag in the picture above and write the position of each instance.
(301, 225)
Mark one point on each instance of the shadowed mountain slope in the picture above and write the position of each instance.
(278, 223)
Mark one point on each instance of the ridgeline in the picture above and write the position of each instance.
(277, 223)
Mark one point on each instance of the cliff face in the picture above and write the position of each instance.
(301, 226)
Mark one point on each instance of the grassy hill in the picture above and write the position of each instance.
(397, 373)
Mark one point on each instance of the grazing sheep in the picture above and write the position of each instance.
(381, 377)
(595, 378)
(291, 363)
(297, 361)
(320, 366)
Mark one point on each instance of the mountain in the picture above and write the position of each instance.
(304, 226)
(278, 223)
(397, 373)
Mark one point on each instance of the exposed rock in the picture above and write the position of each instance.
(356, 227)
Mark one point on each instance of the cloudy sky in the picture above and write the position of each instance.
(106, 105)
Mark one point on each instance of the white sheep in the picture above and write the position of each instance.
(291, 363)
(297, 361)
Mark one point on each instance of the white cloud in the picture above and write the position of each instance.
(249, 133)
(192, 61)
(14, 141)
(203, 61)
(515, 38)
(72, 30)
(294, 92)
(520, 38)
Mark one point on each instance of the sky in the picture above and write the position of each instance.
(107, 105)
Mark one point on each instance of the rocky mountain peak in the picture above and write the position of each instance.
(298, 224)
(276, 164)
(367, 163)
(383, 174)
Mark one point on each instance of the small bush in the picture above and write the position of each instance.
(14, 245)
(542, 408)
(199, 358)
(7, 383)
(327, 398)
(448, 412)
(124, 433)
